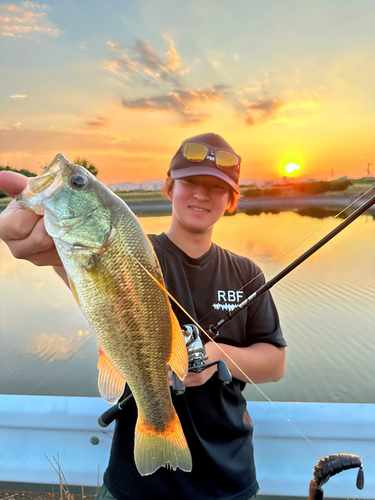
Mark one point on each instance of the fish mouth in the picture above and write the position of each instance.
(31, 195)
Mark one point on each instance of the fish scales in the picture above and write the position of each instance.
(103, 248)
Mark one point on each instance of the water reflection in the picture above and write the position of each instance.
(325, 306)
(52, 346)
(315, 212)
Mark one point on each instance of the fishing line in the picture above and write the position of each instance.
(296, 246)
(307, 237)
(223, 352)
(218, 346)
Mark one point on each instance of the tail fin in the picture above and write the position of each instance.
(167, 448)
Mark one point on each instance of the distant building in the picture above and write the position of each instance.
(265, 183)
(153, 185)
(124, 186)
(256, 182)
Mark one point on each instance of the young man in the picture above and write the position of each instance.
(202, 183)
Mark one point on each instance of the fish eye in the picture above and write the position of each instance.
(78, 181)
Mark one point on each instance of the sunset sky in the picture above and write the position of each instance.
(123, 83)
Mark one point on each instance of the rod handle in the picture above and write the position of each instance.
(112, 413)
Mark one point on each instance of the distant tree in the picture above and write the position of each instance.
(253, 192)
(23, 171)
(339, 184)
(84, 162)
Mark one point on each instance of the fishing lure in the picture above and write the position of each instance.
(330, 466)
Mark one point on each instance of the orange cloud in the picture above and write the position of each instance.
(181, 102)
(163, 81)
(142, 58)
(261, 111)
(24, 19)
(96, 122)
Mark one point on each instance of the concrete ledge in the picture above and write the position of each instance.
(33, 427)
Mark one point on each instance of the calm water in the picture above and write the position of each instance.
(326, 308)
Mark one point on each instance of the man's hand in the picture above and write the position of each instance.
(23, 231)
(261, 362)
(193, 379)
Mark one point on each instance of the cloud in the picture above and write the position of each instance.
(159, 82)
(17, 143)
(260, 111)
(18, 96)
(96, 122)
(26, 19)
(141, 58)
(180, 102)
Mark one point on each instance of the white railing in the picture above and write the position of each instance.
(35, 427)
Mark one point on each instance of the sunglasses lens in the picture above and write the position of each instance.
(193, 151)
(226, 160)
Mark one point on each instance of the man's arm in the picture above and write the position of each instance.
(261, 362)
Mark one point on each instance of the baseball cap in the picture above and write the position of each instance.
(213, 162)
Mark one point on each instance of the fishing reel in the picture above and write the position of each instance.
(196, 359)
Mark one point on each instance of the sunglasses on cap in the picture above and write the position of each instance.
(199, 151)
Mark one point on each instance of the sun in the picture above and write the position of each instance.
(292, 168)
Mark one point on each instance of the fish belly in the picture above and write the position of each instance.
(139, 336)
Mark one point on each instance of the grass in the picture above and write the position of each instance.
(3, 203)
(148, 197)
(43, 495)
(140, 195)
(131, 197)
(45, 492)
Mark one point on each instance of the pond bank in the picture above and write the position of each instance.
(282, 204)
(158, 207)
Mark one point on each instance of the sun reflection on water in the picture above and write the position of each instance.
(325, 307)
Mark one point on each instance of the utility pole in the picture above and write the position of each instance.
(368, 169)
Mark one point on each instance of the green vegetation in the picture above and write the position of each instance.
(4, 201)
(85, 163)
(366, 180)
(139, 196)
(342, 187)
(22, 171)
(79, 161)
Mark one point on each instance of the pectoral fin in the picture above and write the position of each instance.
(74, 291)
(178, 359)
(111, 383)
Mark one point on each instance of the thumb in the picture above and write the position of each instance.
(12, 183)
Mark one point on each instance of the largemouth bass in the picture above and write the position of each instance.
(103, 248)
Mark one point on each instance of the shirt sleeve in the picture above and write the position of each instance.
(263, 324)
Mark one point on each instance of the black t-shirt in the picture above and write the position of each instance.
(214, 418)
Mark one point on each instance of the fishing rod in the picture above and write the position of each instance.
(214, 329)
(193, 341)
